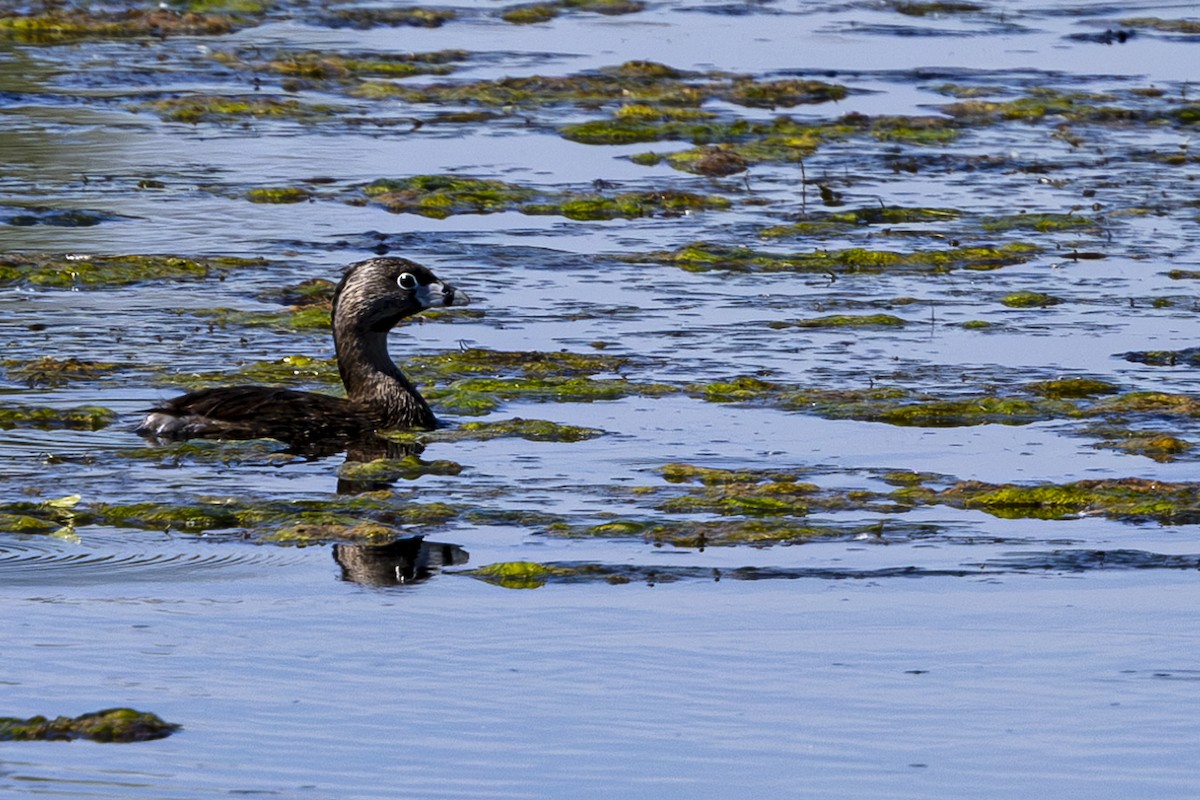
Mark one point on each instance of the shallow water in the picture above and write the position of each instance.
(914, 652)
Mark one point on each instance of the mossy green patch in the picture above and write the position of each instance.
(1161, 446)
(372, 516)
(838, 222)
(67, 25)
(1043, 223)
(294, 370)
(279, 195)
(852, 321)
(307, 318)
(347, 67)
(197, 108)
(314, 532)
(440, 196)
(634, 82)
(935, 8)
(83, 418)
(534, 430)
(531, 14)
(473, 361)
(702, 257)
(783, 93)
(1072, 387)
(1029, 300)
(390, 470)
(109, 725)
(51, 372)
(364, 17)
(515, 574)
(484, 395)
(1185, 26)
(77, 272)
(1126, 498)
(1075, 107)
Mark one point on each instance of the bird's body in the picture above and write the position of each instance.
(373, 296)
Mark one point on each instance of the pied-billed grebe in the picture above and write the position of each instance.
(373, 296)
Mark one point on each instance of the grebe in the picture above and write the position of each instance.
(372, 298)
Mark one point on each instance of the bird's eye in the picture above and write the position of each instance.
(407, 280)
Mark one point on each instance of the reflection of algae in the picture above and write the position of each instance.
(41, 269)
(109, 725)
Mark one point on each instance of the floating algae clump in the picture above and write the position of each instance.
(1127, 498)
(515, 574)
(78, 271)
(441, 196)
(702, 256)
(1029, 300)
(110, 725)
(57, 26)
(231, 108)
(281, 195)
(50, 371)
(1072, 387)
(84, 418)
(852, 321)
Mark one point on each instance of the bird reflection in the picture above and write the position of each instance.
(402, 562)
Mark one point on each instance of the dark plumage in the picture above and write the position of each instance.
(373, 296)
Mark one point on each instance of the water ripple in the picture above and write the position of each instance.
(43, 561)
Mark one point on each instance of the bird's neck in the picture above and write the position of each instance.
(374, 381)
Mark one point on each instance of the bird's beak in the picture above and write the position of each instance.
(441, 294)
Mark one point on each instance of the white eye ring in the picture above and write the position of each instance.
(407, 281)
